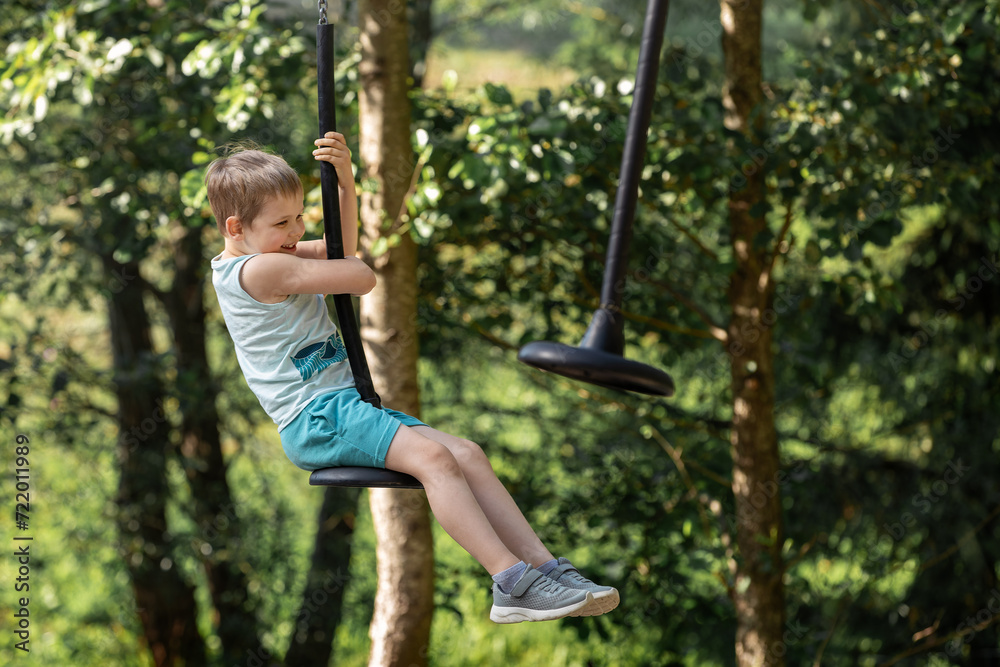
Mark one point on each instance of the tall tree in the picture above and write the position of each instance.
(164, 600)
(321, 608)
(757, 592)
(200, 449)
(421, 34)
(404, 603)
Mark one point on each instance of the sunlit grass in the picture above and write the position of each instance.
(466, 69)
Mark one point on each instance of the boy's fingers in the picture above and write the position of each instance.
(330, 143)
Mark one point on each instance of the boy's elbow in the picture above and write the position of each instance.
(367, 283)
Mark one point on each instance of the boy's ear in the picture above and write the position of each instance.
(234, 228)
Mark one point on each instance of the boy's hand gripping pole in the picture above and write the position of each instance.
(331, 216)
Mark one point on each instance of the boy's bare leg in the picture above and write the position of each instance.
(500, 509)
(452, 501)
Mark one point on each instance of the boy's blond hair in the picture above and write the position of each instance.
(242, 182)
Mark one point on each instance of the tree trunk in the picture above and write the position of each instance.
(212, 505)
(404, 603)
(758, 592)
(421, 35)
(165, 602)
(322, 600)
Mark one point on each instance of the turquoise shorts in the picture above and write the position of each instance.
(339, 429)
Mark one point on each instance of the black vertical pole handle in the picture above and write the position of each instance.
(634, 153)
(607, 328)
(348, 476)
(331, 216)
(599, 359)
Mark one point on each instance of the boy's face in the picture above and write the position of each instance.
(277, 228)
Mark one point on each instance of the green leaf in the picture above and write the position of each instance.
(498, 94)
(193, 190)
(380, 247)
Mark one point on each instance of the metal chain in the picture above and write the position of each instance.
(322, 12)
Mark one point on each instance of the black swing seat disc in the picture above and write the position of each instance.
(595, 366)
(350, 476)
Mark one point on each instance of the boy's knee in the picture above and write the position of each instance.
(441, 460)
(469, 453)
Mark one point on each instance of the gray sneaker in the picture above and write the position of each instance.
(606, 598)
(535, 597)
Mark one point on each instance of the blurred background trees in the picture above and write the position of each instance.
(878, 160)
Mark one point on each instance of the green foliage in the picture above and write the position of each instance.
(886, 372)
(110, 106)
(879, 153)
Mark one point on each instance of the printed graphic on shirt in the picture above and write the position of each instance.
(314, 358)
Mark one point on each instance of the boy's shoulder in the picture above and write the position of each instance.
(227, 256)
(225, 261)
(226, 270)
(236, 277)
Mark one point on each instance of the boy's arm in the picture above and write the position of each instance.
(348, 213)
(316, 249)
(272, 277)
(333, 149)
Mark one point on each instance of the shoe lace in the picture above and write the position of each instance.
(550, 585)
(572, 574)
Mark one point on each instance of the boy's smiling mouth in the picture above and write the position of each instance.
(290, 246)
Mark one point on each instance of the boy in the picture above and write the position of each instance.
(270, 286)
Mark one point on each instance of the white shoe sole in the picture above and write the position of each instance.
(521, 614)
(602, 604)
